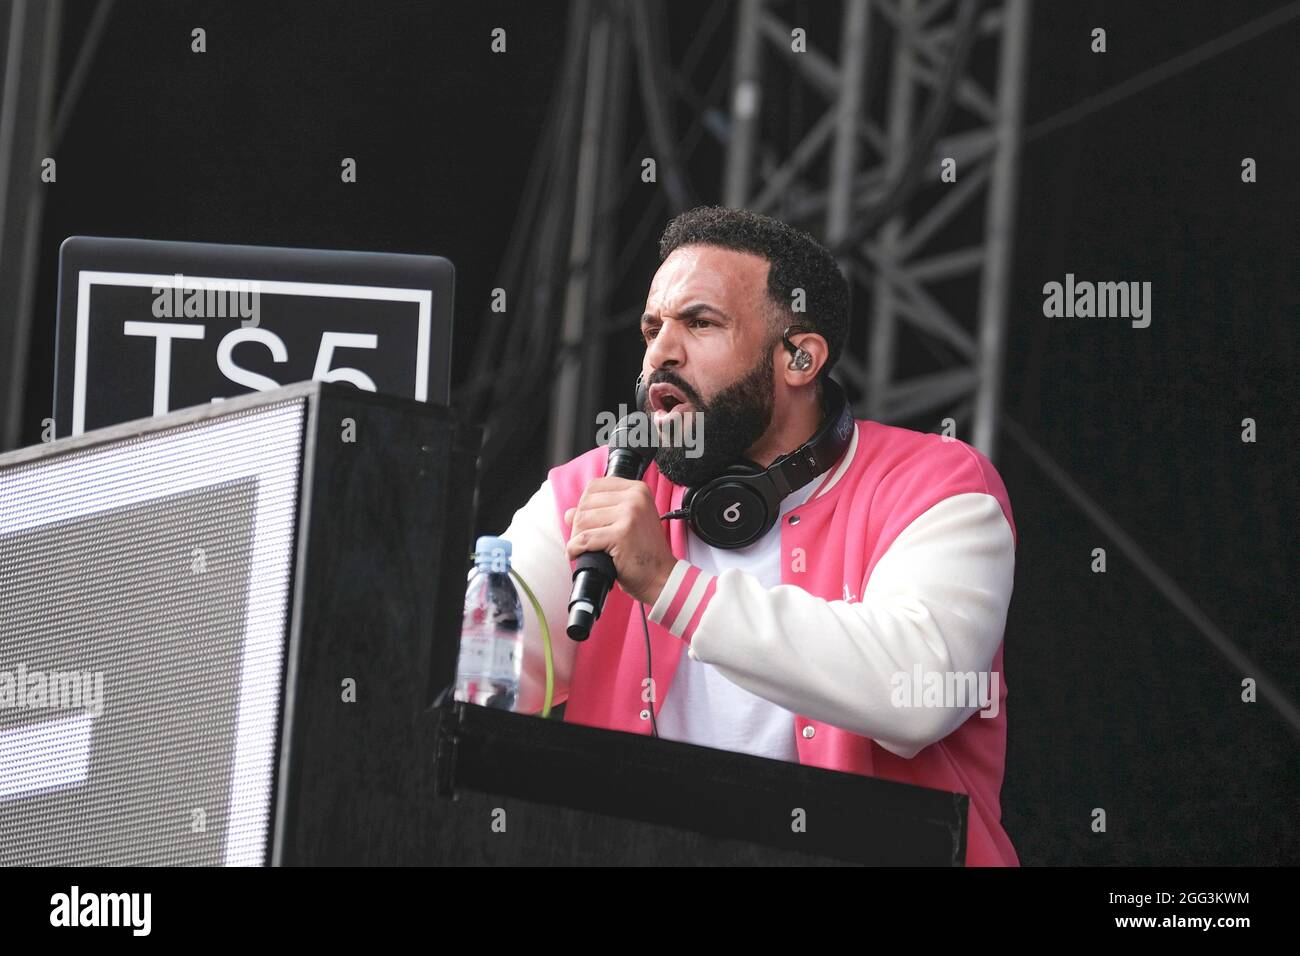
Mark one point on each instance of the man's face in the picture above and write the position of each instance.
(710, 348)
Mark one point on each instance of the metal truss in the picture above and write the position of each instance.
(586, 218)
(868, 184)
(28, 61)
(584, 224)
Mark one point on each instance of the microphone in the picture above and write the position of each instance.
(595, 574)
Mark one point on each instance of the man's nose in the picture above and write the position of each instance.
(667, 347)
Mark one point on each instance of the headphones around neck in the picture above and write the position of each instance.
(739, 506)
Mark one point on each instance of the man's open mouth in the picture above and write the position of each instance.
(667, 399)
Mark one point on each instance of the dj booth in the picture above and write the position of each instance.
(227, 635)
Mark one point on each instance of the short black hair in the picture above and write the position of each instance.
(797, 261)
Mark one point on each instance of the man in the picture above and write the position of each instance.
(889, 571)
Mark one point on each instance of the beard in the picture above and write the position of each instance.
(729, 425)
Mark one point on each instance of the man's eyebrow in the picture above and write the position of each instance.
(690, 312)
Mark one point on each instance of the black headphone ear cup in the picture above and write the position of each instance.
(730, 511)
(744, 468)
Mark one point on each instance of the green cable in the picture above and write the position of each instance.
(546, 641)
(546, 638)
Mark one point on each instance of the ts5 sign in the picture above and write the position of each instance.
(164, 333)
(226, 320)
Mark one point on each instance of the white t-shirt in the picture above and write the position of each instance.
(703, 707)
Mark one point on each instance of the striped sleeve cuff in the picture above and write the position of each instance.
(682, 602)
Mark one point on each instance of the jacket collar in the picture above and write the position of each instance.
(839, 470)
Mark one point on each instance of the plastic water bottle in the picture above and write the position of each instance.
(491, 636)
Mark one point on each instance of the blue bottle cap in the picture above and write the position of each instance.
(492, 553)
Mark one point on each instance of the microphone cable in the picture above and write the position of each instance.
(654, 691)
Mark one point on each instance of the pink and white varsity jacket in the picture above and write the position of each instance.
(899, 566)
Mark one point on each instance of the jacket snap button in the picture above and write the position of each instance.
(645, 715)
(809, 730)
(794, 519)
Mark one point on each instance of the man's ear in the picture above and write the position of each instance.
(815, 347)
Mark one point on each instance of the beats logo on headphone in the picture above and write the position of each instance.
(739, 506)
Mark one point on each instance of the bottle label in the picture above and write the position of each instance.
(485, 654)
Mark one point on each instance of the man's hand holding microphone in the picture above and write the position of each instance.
(618, 516)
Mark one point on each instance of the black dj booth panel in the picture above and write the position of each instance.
(227, 636)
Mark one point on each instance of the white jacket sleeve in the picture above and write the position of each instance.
(937, 598)
(538, 555)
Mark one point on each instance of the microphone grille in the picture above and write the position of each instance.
(632, 434)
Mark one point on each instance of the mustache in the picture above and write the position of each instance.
(669, 378)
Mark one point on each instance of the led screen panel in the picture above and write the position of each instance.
(144, 607)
